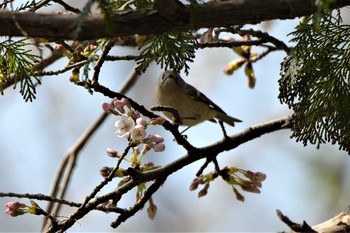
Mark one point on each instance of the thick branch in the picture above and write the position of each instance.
(150, 21)
(339, 223)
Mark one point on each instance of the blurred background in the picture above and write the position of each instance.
(303, 182)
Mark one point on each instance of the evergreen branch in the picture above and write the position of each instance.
(315, 82)
(172, 51)
(18, 64)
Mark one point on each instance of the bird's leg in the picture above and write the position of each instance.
(223, 129)
(185, 130)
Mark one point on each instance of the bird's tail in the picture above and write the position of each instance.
(227, 119)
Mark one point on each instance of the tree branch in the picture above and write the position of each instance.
(151, 21)
(339, 223)
(211, 151)
(139, 205)
(42, 197)
(160, 174)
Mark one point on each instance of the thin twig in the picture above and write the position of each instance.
(107, 179)
(303, 227)
(264, 35)
(68, 7)
(40, 5)
(42, 197)
(65, 169)
(61, 71)
(204, 166)
(82, 63)
(139, 205)
(101, 60)
(262, 55)
(230, 44)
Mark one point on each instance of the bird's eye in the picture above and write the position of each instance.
(169, 75)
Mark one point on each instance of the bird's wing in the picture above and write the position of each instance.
(194, 93)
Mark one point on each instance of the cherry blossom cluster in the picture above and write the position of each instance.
(132, 125)
(248, 181)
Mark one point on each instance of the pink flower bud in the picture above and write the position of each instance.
(151, 211)
(119, 105)
(15, 205)
(134, 114)
(105, 171)
(107, 107)
(249, 187)
(126, 102)
(159, 147)
(194, 184)
(255, 177)
(157, 121)
(14, 213)
(59, 48)
(239, 196)
(112, 153)
(259, 176)
(149, 139)
(15, 209)
(202, 193)
(158, 138)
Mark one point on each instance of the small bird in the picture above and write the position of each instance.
(192, 106)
